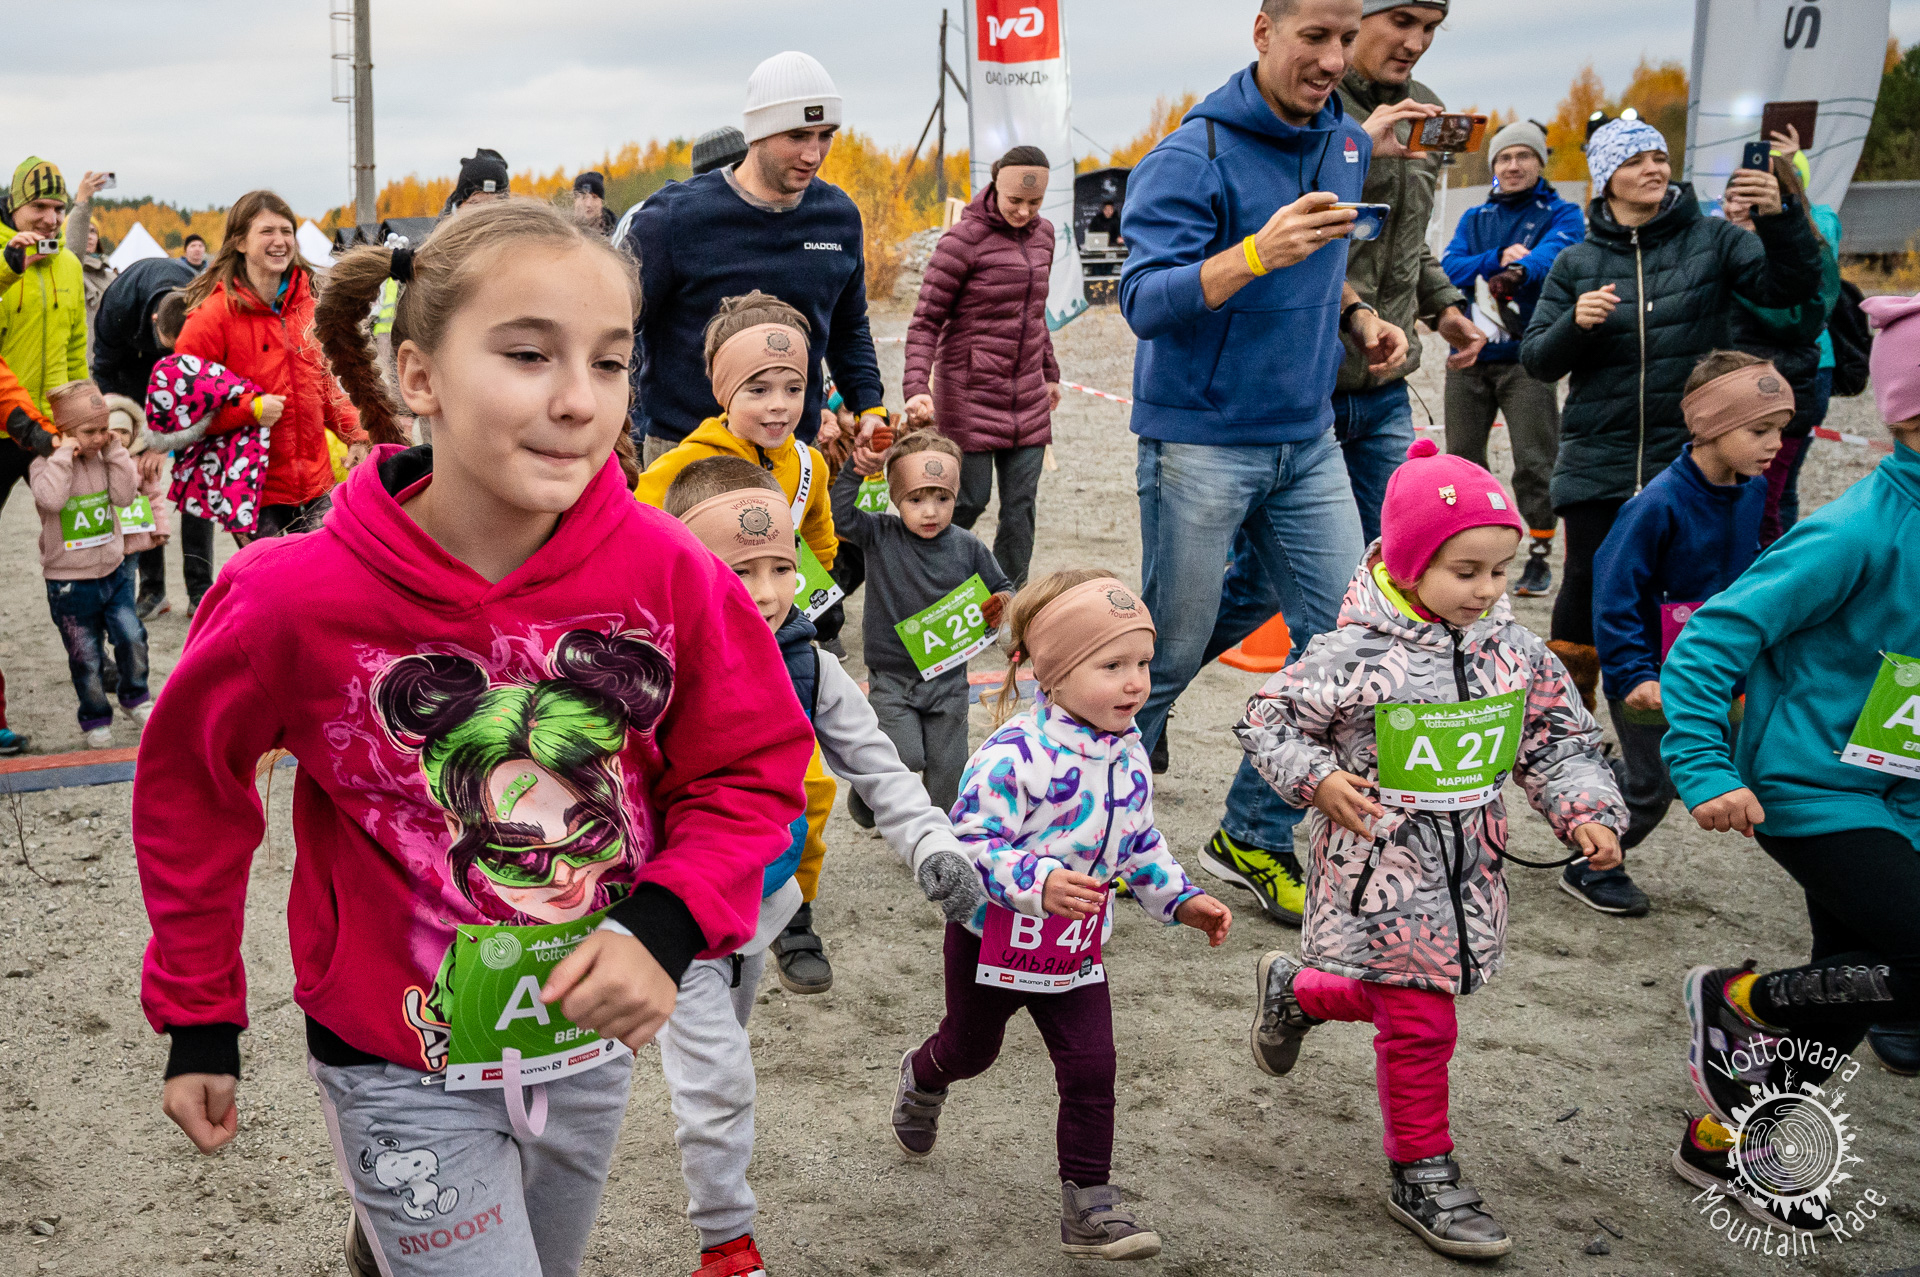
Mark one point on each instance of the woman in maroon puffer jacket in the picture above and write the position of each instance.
(980, 329)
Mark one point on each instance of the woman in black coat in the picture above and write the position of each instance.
(1627, 314)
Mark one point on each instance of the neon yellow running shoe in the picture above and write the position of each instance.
(1272, 876)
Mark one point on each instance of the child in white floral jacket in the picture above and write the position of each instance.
(1427, 694)
(1055, 807)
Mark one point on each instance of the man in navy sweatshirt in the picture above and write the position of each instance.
(766, 223)
(1236, 288)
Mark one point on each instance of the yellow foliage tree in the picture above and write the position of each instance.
(167, 224)
(1658, 91)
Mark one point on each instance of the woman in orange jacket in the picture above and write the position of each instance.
(252, 310)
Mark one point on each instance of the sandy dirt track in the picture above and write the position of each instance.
(1569, 1087)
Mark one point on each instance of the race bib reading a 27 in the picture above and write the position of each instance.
(1887, 736)
(1449, 756)
(950, 632)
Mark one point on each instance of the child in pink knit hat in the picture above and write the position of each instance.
(1400, 728)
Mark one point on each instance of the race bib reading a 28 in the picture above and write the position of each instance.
(1887, 736)
(1449, 756)
(950, 632)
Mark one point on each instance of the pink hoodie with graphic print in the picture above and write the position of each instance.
(618, 694)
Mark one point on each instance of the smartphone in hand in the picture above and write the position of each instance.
(1448, 133)
(1758, 156)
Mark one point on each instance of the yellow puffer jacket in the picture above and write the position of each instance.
(712, 439)
(43, 323)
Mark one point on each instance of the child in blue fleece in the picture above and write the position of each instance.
(1684, 539)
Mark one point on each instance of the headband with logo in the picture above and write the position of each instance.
(917, 470)
(1079, 623)
(1741, 398)
(745, 524)
(752, 351)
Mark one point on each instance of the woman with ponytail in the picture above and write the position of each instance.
(252, 310)
(529, 795)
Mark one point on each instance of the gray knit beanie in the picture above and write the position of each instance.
(1520, 133)
(1371, 7)
(723, 147)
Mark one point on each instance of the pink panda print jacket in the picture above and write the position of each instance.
(1423, 903)
(216, 477)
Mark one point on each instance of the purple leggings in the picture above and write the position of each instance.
(1077, 1027)
(1411, 1050)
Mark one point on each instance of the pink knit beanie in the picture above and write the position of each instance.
(1894, 363)
(1429, 499)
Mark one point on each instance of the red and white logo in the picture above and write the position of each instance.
(1018, 30)
(1353, 151)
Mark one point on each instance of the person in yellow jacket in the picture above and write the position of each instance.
(43, 296)
(756, 348)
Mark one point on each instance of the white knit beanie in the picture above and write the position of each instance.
(1519, 133)
(789, 91)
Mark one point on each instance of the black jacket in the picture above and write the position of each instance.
(124, 349)
(1622, 423)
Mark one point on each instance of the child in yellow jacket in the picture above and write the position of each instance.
(756, 350)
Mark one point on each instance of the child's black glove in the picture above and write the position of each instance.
(951, 882)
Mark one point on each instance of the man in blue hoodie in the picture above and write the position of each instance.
(1236, 287)
(1511, 242)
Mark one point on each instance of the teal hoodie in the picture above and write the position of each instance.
(1806, 624)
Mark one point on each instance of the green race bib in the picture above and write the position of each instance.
(1887, 736)
(137, 517)
(814, 588)
(86, 521)
(1447, 757)
(872, 496)
(492, 997)
(950, 632)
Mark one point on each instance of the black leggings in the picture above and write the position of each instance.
(1588, 523)
(1863, 902)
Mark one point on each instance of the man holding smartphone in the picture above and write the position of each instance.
(1396, 273)
(1236, 288)
(43, 310)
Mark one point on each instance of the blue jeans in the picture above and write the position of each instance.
(1375, 429)
(89, 614)
(1292, 506)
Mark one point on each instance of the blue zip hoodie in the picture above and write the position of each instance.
(1539, 219)
(1806, 624)
(1682, 540)
(1261, 369)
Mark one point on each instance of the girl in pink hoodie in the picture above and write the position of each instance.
(546, 749)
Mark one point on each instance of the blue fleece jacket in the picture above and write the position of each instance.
(1681, 540)
(1261, 369)
(1541, 220)
(698, 242)
(1806, 624)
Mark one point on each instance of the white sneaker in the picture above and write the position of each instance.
(100, 738)
(141, 713)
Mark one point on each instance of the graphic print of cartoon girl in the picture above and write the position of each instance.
(529, 775)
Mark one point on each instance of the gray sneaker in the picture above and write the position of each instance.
(1093, 1225)
(1445, 1211)
(1278, 1021)
(916, 1113)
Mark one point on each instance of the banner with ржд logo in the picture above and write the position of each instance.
(1018, 95)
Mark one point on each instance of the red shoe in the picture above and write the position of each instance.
(737, 1258)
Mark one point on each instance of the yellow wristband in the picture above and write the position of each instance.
(880, 411)
(259, 405)
(1253, 256)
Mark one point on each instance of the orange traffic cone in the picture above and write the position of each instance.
(1263, 651)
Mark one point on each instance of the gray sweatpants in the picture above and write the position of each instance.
(927, 723)
(709, 1070)
(1475, 394)
(442, 1185)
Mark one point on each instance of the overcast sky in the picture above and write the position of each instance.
(195, 101)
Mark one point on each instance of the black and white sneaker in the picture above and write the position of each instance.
(1705, 1159)
(1278, 1021)
(1607, 890)
(1536, 579)
(1724, 1072)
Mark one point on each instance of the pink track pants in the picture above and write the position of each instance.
(1415, 1041)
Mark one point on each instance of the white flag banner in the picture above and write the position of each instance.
(1018, 95)
(1747, 53)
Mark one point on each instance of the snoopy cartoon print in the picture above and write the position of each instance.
(408, 1174)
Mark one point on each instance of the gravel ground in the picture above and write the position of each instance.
(1569, 1088)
